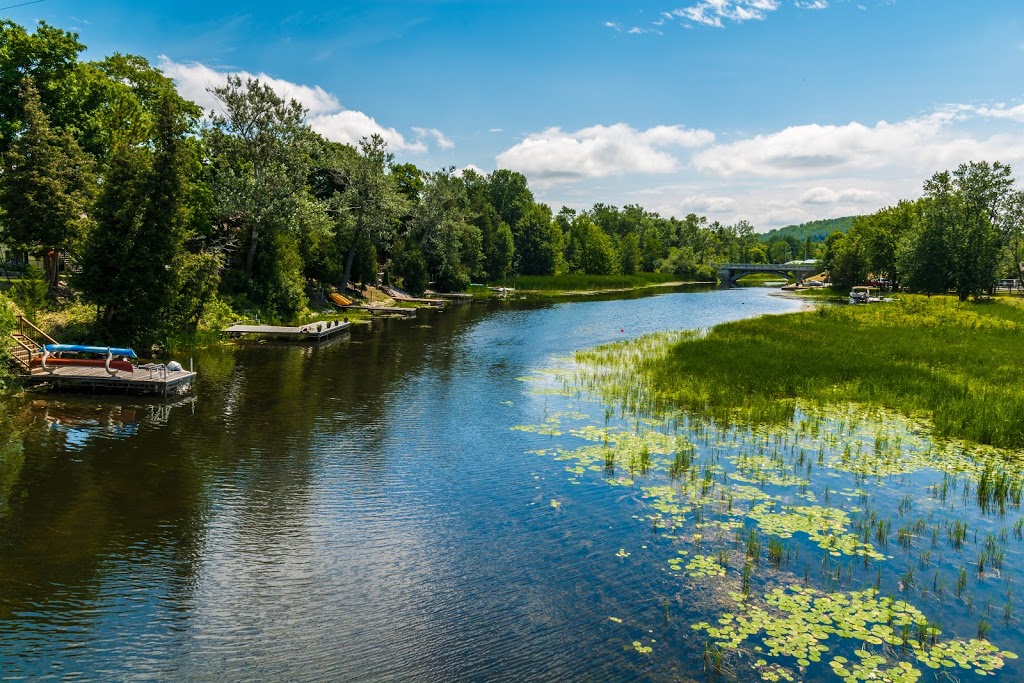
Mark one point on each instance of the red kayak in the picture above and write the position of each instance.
(84, 363)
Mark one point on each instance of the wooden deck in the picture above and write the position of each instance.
(309, 332)
(142, 381)
(453, 296)
(383, 310)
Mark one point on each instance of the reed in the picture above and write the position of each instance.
(957, 361)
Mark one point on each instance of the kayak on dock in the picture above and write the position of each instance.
(113, 359)
(76, 348)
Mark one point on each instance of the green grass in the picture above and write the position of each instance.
(584, 283)
(959, 363)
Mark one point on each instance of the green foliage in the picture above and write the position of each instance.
(629, 255)
(957, 361)
(452, 246)
(538, 242)
(817, 231)
(30, 292)
(588, 249)
(7, 326)
(46, 186)
(411, 269)
(262, 150)
(136, 267)
(49, 58)
(780, 251)
(849, 266)
(583, 283)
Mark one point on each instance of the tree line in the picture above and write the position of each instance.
(962, 235)
(165, 212)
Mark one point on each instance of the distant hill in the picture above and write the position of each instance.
(817, 230)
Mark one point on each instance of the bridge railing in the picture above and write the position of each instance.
(768, 266)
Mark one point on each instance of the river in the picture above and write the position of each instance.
(356, 511)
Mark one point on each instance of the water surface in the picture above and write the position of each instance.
(356, 511)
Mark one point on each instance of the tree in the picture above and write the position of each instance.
(261, 153)
(49, 57)
(136, 266)
(849, 263)
(108, 269)
(538, 242)
(881, 234)
(510, 196)
(452, 246)
(46, 187)
(373, 198)
(955, 217)
(629, 255)
(588, 249)
(780, 251)
(831, 244)
(1013, 227)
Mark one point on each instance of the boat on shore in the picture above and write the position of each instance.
(866, 294)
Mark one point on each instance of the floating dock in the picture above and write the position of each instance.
(27, 353)
(453, 296)
(314, 332)
(383, 310)
(143, 381)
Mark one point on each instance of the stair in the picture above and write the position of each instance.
(22, 357)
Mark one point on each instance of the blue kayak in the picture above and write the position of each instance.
(75, 348)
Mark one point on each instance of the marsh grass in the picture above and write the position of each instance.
(959, 363)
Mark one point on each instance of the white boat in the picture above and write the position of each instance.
(864, 294)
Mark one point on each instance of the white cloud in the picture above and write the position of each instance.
(599, 151)
(1001, 112)
(826, 195)
(716, 12)
(350, 127)
(792, 175)
(927, 142)
(702, 203)
(442, 141)
(470, 167)
(812, 4)
(193, 80)
(325, 113)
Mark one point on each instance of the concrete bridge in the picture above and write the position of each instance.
(729, 273)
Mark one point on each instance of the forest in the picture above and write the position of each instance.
(159, 216)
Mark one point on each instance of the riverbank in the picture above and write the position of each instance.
(583, 285)
(957, 363)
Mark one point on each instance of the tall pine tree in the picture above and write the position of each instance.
(46, 187)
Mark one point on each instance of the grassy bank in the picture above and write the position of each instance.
(959, 363)
(584, 283)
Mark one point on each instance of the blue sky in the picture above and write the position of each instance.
(774, 111)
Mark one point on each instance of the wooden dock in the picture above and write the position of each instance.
(146, 379)
(143, 381)
(310, 332)
(383, 310)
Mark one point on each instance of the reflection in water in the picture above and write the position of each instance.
(359, 510)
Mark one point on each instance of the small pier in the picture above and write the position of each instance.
(453, 296)
(151, 379)
(384, 310)
(157, 381)
(310, 332)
